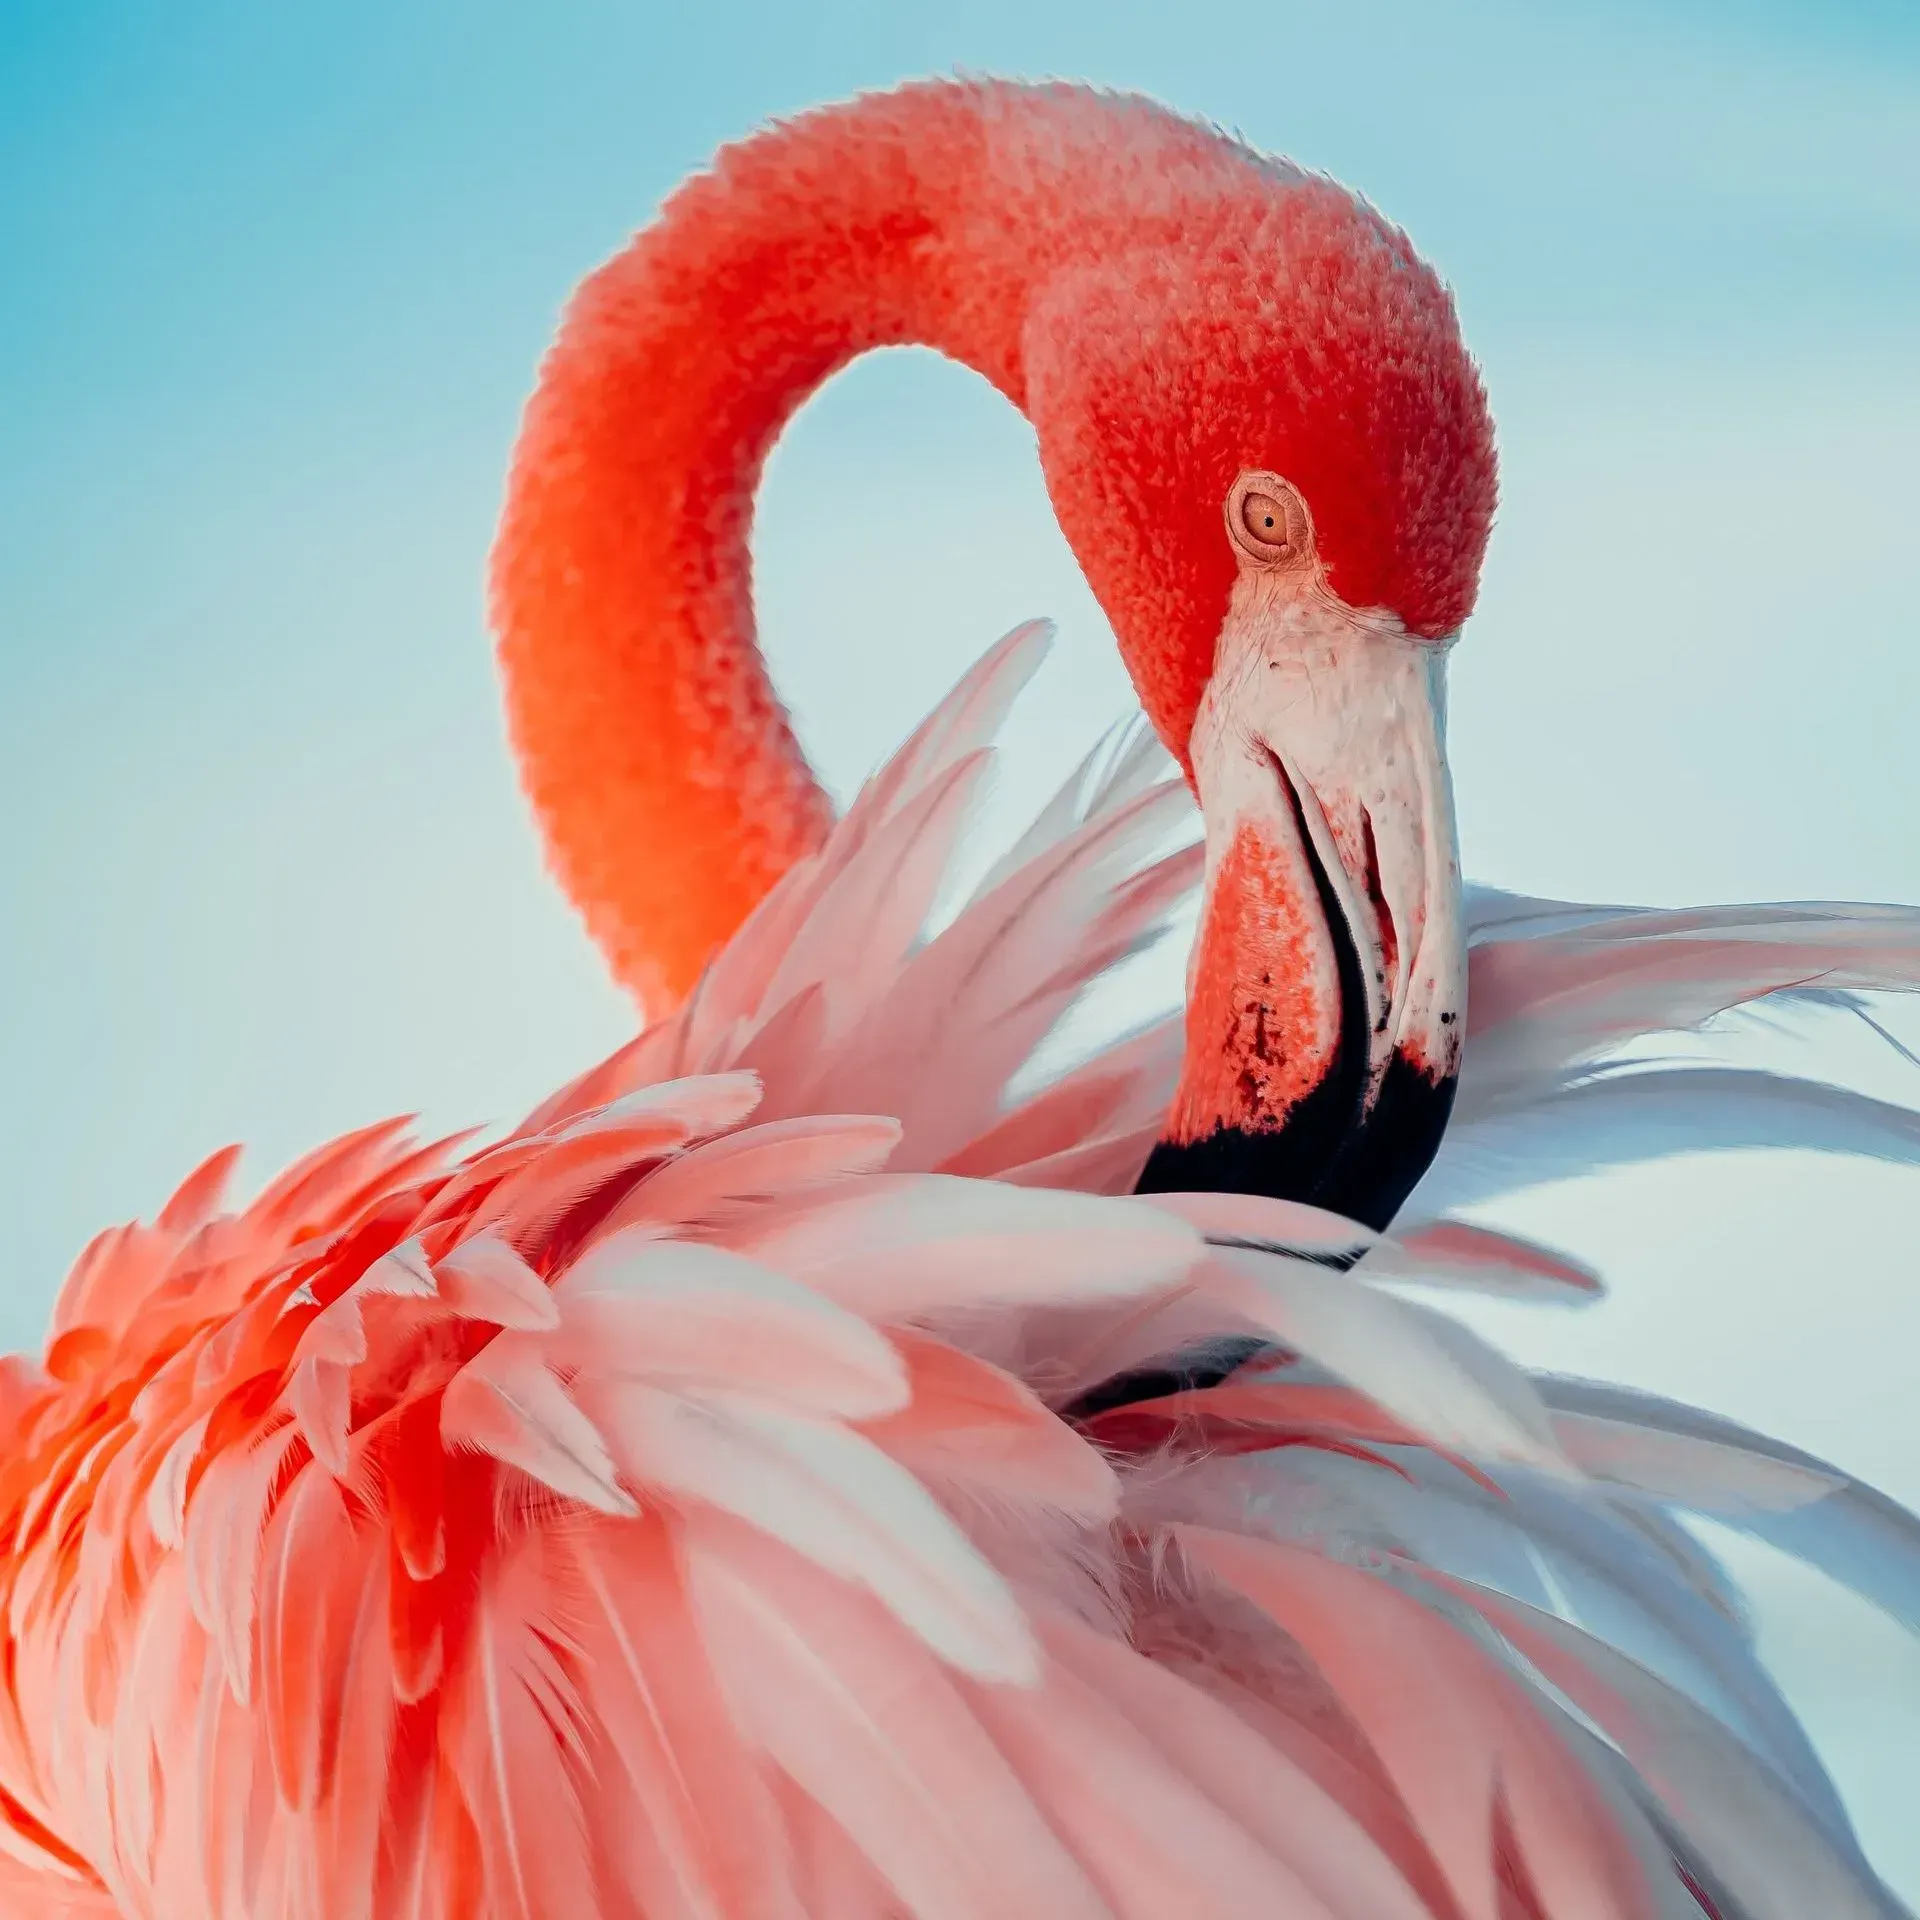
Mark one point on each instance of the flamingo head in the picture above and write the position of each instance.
(1262, 437)
(1272, 455)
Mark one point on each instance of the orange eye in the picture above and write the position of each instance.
(1268, 521)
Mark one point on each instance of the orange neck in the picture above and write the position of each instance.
(660, 763)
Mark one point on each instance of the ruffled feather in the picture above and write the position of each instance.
(785, 1478)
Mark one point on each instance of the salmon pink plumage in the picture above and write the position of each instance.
(807, 1470)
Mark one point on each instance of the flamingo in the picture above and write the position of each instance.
(792, 1474)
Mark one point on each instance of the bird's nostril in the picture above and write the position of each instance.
(1346, 1084)
(1388, 933)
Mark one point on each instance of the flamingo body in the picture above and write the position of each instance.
(794, 1475)
(765, 1481)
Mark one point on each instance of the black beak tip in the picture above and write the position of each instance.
(1319, 1155)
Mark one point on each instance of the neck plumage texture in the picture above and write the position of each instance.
(663, 769)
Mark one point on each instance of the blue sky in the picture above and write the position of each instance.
(275, 283)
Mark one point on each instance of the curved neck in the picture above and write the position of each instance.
(665, 777)
(658, 758)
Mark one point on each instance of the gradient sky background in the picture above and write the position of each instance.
(274, 283)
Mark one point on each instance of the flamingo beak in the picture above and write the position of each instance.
(1327, 992)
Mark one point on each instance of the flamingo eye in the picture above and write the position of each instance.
(1265, 518)
(1268, 521)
